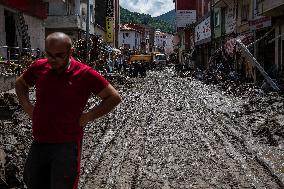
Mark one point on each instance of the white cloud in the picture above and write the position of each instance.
(152, 7)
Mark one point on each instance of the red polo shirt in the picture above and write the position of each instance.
(61, 99)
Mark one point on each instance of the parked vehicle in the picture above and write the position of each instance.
(140, 58)
(159, 60)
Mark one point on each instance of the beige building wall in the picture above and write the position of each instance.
(36, 31)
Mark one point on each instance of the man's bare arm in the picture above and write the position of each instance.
(110, 99)
(22, 91)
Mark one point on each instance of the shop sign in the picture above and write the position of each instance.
(109, 8)
(109, 29)
(203, 30)
(260, 23)
(185, 17)
(109, 21)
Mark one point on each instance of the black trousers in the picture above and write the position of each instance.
(53, 166)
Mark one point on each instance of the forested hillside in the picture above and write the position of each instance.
(137, 18)
(169, 17)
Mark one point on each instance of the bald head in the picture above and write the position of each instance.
(58, 39)
(58, 50)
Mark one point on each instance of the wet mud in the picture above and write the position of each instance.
(171, 132)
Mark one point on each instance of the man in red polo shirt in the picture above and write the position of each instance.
(63, 86)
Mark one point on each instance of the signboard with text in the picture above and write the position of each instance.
(230, 23)
(185, 17)
(109, 29)
(109, 21)
(260, 23)
(203, 31)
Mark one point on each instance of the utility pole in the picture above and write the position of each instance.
(88, 31)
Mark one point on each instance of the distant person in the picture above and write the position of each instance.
(143, 69)
(135, 68)
(63, 86)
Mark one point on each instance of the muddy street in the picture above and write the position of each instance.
(173, 132)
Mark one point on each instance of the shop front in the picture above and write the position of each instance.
(203, 43)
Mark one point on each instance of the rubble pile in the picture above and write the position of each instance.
(15, 136)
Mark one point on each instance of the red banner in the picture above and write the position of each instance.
(35, 8)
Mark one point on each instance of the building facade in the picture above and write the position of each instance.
(69, 17)
(275, 10)
(203, 34)
(163, 42)
(21, 26)
(130, 38)
(219, 23)
(147, 35)
(186, 16)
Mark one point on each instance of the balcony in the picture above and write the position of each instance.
(68, 22)
(273, 8)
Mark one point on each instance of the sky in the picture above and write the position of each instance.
(152, 7)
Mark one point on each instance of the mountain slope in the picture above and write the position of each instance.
(137, 18)
(169, 17)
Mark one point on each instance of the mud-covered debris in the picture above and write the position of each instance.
(170, 131)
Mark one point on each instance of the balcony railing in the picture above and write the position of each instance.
(68, 22)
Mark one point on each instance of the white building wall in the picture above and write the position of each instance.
(163, 40)
(169, 48)
(130, 40)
